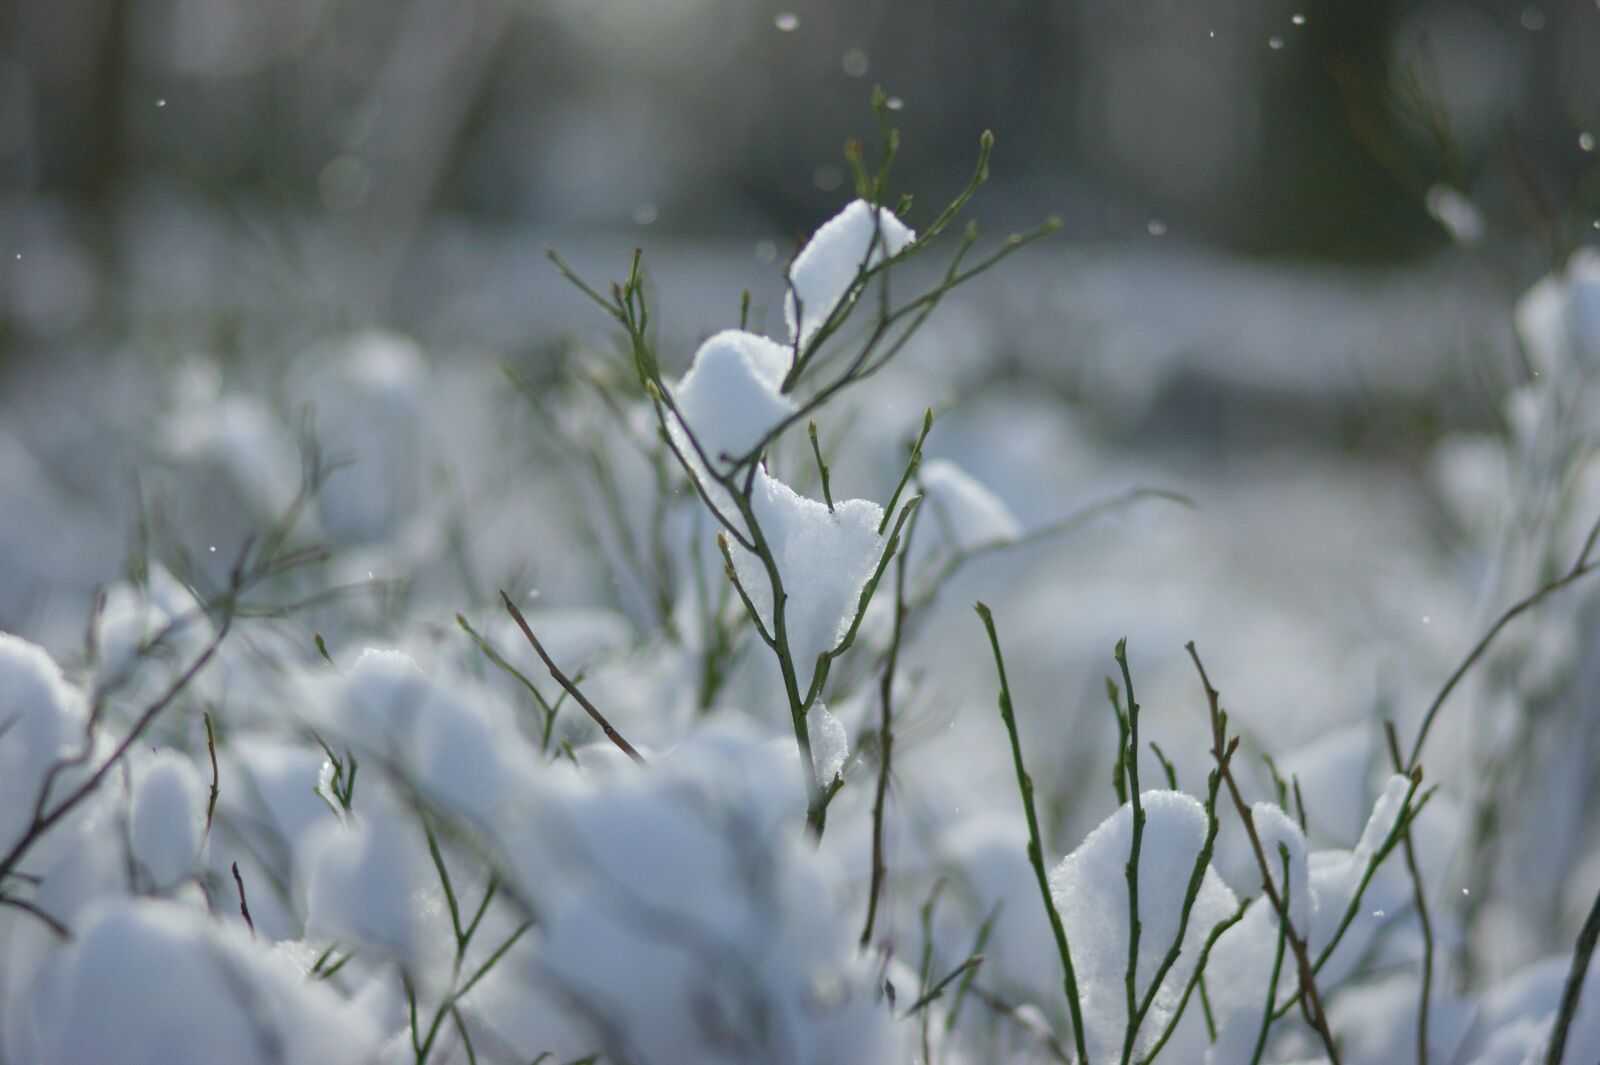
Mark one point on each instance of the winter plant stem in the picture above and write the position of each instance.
(1580, 569)
(886, 735)
(1582, 953)
(1035, 845)
(1195, 980)
(1420, 898)
(734, 474)
(1311, 999)
(1130, 763)
(566, 682)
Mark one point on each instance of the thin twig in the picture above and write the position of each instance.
(54, 924)
(1196, 980)
(1035, 847)
(1420, 897)
(1277, 963)
(1024, 1021)
(1582, 952)
(211, 748)
(937, 990)
(498, 659)
(1311, 998)
(1130, 762)
(572, 689)
(886, 735)
(244, 907)
(1580, 569)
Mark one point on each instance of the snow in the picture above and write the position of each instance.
(827, 267)
(1246, 951)
(1473, 473)
(450, 735)
(376, 701)
(1322, 884)
(732, 396)
(151, 982)
(239, 435)
(1583, 304)
(1276, 829)
(167, 823)
(681, 918)
(41, 722)
(1324, 769)
(1336, 875)
(572, 635)
(682, 913)
(368, 393)
(369, 881)
(136, 615)
(1512, 1023)
(824, 560)
(830, 744)
(1559, 317)
(970, 515)
(1091, 893)
(989, 852)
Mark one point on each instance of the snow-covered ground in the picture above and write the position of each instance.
(441, 864)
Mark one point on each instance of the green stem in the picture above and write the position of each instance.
(1035, 847)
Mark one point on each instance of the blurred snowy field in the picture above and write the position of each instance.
(315, 473)
(1355, 470)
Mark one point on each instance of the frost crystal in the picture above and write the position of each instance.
(1090, 891)
(827, 267)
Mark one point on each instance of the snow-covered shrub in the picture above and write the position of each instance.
(441, 806)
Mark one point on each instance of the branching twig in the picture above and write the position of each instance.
(566, 682)
(1196, 979)
(1580, 569)
(1316, 1016)
(936, 992)
(61, 931)
(498, 659)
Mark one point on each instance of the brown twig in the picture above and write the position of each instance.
(211, 747)
(244, 907)
(1311, 999)
(44, 821)
(572, 689)
(937, 991)
(55, 925)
